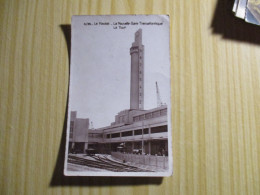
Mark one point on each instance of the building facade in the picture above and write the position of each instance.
(147, 132)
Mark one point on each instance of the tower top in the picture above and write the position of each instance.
(138, 38)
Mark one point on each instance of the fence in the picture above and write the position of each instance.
(157, 161)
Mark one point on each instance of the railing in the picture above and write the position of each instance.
(157, 161)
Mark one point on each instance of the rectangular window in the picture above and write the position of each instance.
(159, 129)
(114, 135)
(108, 136)
(138, 132)
(127, 133)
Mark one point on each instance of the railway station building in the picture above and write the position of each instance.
(144, 131)
(135, 129)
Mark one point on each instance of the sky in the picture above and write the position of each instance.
(101, 63)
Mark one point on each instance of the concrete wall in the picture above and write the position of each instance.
(134, 99)
(80, 133)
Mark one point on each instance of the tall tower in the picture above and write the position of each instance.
(137, 72)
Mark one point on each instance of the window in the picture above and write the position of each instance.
(127, 133)
(138, 132)
(108, 136)
(146, 131)
(114, 135)
(159, 129)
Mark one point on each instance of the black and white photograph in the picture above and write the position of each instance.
(119, 107)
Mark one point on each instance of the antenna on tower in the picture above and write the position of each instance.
(159, 101)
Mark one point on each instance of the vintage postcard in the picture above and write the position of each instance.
(119, 110)
(253, 12)
(241, 9)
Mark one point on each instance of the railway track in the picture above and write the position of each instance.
(102, 162)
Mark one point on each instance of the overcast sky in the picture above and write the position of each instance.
(101, 62)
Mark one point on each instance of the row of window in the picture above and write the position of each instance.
(157, 113)
(159, 129)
